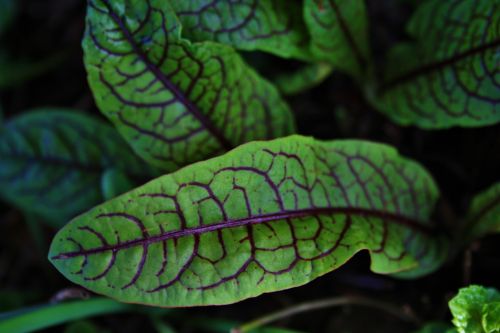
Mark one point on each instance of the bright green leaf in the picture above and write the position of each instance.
(449, 75)
(264, 217)
(475, 310)
(52, 161)
(339, 33)
(175, 102)
(274, 26)
(484, 214)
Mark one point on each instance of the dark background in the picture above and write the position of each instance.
(463, 162)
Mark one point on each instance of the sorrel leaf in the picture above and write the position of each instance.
(484, 214)
(264, 217)
(52, 161)
(476, 309)
(304, 78)
(175, 102)
(274, 26)
(339, 33)
(449, 75)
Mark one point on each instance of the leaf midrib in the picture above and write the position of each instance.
(431, 67)
(193, 109)
(252, 220)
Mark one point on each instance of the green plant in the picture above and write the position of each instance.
(203, 190)
(475, 309)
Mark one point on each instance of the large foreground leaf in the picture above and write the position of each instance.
(449, 75)
(274, 26)
(175, 102)
(264, 217)
(52, 162)
(339, 33)
(484, 214)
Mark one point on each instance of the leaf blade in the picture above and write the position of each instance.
(266, 216)
(174, 102)
(52, 161)
(448, 76)
(272, 26)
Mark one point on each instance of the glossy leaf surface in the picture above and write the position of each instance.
(484, 214)
(450, 75)
(339, 33)
(175, 102)
(274, 26)
(476, 310)
(52, 161)
(264, 217)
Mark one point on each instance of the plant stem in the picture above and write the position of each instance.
(325, 303)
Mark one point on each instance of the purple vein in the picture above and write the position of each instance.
(398, 219)
(431, 67)
(167, 83)
(350, 39)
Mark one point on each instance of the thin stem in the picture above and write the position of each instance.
(402, 313)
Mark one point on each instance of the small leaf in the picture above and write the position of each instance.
(52, 161)
(484, 214)
(175, 102)
(449, 75)
(303, 79)
(114, 182)
(264, 217)
(475, 306)
(339, 33)
(273, 26)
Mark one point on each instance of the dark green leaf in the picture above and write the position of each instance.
(304, 78)
(484, 214)
(7, 10)
(264, 217)
(175, 102)
(274, 26)
(449, 75)
(476, 310)
(52, 162)
(44, 316)
(339, 33)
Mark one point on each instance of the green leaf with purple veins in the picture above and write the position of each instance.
(264, 217)
(274, 26)
(174, 101)
(339, 33)
(52, 161)
(484, 214)
(450, 75)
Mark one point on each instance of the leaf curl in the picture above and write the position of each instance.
(264, 217)
(274, 26)
(174, 101)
